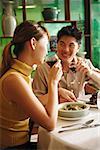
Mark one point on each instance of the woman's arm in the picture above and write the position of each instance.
(16, 89)
(43, 98)
(40, 83)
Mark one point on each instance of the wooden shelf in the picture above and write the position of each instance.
(5, 37)
(73, 22)
(59, 21)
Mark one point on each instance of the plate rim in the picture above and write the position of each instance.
(61, 105)
(71, 118)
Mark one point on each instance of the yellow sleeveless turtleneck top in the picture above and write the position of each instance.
(14, 123)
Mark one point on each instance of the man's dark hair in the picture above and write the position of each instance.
(70, 31)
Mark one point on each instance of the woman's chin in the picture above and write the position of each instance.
(40, 62)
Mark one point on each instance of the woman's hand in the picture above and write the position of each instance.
(66, 95)
(56, 72)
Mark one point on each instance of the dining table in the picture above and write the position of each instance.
(75, 137)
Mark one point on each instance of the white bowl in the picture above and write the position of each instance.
(67, 109)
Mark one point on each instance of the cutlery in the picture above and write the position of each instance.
(83, 124)
(78, 128)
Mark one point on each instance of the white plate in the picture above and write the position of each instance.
(75, 118)
(73, 114)
(92, 106)
(84, 98)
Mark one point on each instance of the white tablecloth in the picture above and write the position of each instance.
(83, 139)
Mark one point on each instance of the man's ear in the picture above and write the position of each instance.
(33, 43)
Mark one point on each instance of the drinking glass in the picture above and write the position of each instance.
(51, 59)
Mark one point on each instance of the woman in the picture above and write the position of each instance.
(17, 102)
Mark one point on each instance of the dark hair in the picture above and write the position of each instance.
(23, 32)
(70, 31)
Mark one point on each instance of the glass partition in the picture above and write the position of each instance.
(95, 31)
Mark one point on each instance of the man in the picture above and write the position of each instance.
(76, 71)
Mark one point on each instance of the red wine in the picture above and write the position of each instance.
(51, 63)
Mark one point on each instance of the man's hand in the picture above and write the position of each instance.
(66, 96)
(83, 68)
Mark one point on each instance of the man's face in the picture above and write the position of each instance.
(67, 47)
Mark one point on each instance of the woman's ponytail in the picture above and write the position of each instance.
(6, 59)
(23, 32)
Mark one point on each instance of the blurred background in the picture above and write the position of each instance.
(54, 14)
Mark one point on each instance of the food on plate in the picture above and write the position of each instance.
(74, 107)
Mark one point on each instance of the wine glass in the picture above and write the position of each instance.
(51, 59)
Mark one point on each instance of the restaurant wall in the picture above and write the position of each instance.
(32, 14)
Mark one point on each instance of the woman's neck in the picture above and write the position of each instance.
(26, 60)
